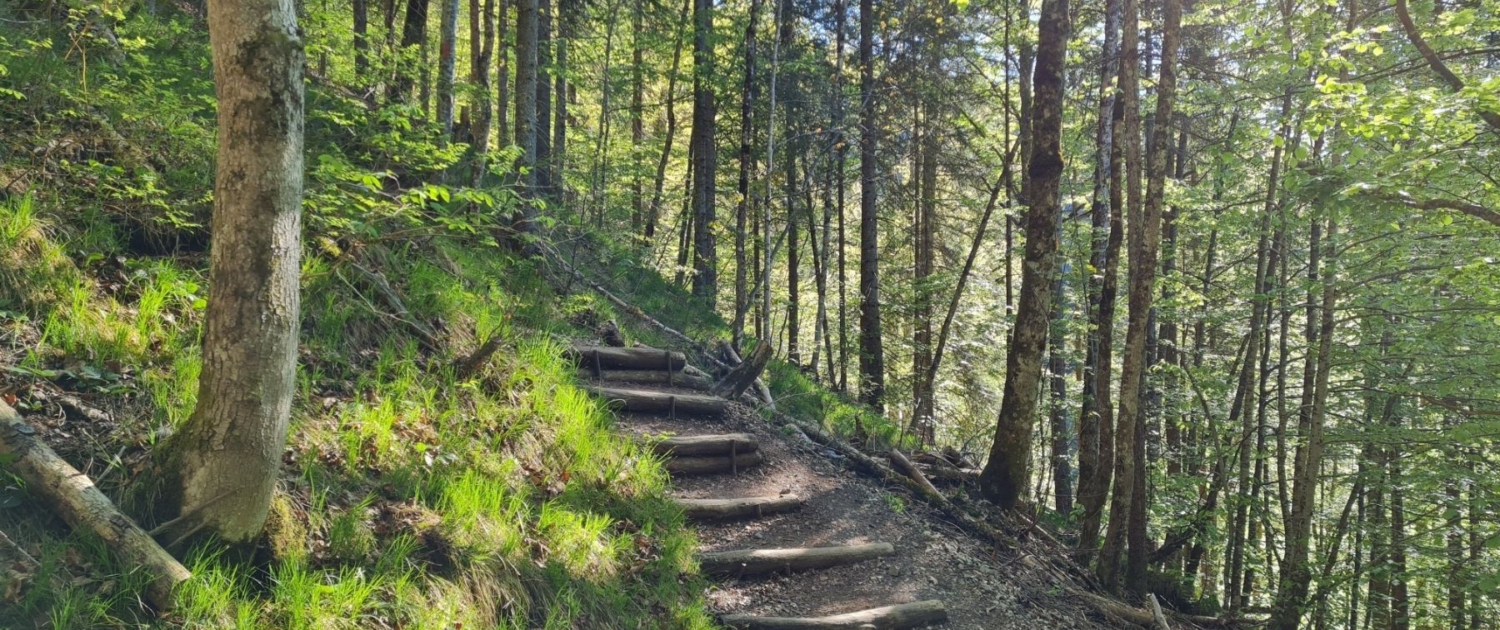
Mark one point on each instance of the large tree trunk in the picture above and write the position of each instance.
(1108, 567)
(227, 457)
(502, 78)
(871, 346)
(705, 157)
(1095, 424)
(1006, 473)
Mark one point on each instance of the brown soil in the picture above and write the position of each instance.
(934, 560)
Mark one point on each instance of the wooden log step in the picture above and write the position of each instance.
(748, 507)
(760, 561)
(661, 402)
(688, 445)
(605, 357)
(687, 379)
(710, 464)
(899, 617)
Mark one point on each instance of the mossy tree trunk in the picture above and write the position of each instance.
(1005, 474)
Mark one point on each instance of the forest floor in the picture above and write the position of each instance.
(982, 587)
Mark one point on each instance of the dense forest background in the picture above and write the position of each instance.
(1210, 287)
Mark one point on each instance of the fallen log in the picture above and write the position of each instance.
(689, 445)
(711, 464)
(745, 562)
(661, 402)
(650, 377)
(760, 386)
(905, 467)
(745, 374)
(899, 617)
(1161, 620)
(596, 358)
(949, 473)
(72, 496)
(726, 509)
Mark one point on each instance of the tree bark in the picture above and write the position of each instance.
(923, 421)
(871, 346)
(1095, 425)
(227, 457)
(747, 171)
(526, 82)
(705, 158)
(545, 71)
(447, 66)
(1007, 471)
(413, 33)
(1125, 466)
(654, 213)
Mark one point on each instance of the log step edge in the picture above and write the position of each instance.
(746, 562)
(898, 617)
(747, 507)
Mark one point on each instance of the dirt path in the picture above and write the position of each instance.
(933, 560)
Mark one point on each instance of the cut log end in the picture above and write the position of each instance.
(899, 617)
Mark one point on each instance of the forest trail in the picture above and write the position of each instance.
(933, 574)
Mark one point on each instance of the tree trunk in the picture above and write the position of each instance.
(871, 346)
(413, 33)
(705, 157)
(923, 421)
(654, 214)
(566, 25)
(484, 52)
(747, 172)
(1296, 574)
(841, 165)
(1007, 472)
(227, 457)
(526, 82)
(502, 78)
(727, 509)
(637, 111)
(1125, 466)
(544, 73)
(447, 68)
(1057, 368)
(1096, 426)
(361, 39)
